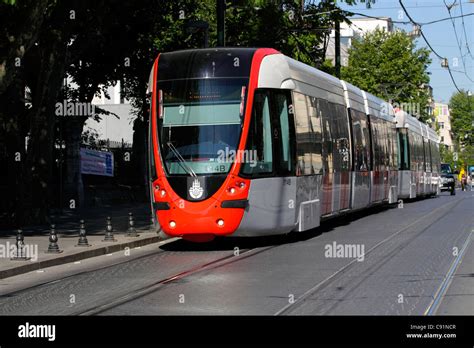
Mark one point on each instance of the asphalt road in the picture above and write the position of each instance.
(416, 260)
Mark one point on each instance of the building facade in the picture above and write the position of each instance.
(443, 121)
(117, 127)
(349, 32)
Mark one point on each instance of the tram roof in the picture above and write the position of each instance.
(405, 120)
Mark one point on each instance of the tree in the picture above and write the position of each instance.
(389, 66)
(301, 32)
(461, 107)
(97, 43)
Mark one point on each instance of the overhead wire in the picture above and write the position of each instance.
(458, 42)
(428, 43)
(464, 29)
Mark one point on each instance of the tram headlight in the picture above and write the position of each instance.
(220, 222)
(232, 190)
(163, 193)
(172, 224)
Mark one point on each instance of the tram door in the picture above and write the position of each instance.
(272, 197)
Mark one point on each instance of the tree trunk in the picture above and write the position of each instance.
(39, 161)
(73, 189)
(12, 152)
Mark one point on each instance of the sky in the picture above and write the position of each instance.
(441, 37)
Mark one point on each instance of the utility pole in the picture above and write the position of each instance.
(337, 44)
(220, 8)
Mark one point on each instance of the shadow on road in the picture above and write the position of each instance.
(230, 243)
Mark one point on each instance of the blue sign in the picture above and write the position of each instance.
(95, 162)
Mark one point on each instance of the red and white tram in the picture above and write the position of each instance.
(250, 142)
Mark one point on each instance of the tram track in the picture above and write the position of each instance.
(299, 301)
(158, 285)
(246, 253)
(249, 249)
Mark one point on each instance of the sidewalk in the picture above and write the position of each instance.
(36, 238)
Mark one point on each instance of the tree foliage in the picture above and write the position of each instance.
(389, 66)
(461, 107)
(97, 43)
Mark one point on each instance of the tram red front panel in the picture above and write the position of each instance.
(205, 217)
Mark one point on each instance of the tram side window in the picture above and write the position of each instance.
(386, 151)
(328, 136)
(315, 110)
(377, 141)
(335, 132)
(417, 151)
(435, 157)
(381, 143)
(411, 143)
(280, 101)
(341, 145)
(395, 150)
(304, 136)
(404, 163)
(259, 141)
(421, 155)
(428, 156)
(366, 132)
(361, 146)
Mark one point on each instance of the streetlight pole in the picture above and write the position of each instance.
(337, 45)
(220, 8)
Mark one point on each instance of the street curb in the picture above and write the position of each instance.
(34, 266)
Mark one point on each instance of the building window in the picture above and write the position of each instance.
(441, 125)
(442, 139)
(345, 40)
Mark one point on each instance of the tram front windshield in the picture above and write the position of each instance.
(199, 124)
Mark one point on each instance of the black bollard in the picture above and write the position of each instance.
(53, 247)
(109, 237)
(152, 223)
(19, 247)
(82, 236)
(131, 232)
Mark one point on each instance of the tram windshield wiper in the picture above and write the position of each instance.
(181, 160)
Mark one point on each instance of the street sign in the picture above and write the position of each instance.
(97, 162)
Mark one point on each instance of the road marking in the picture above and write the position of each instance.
(434, 305)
